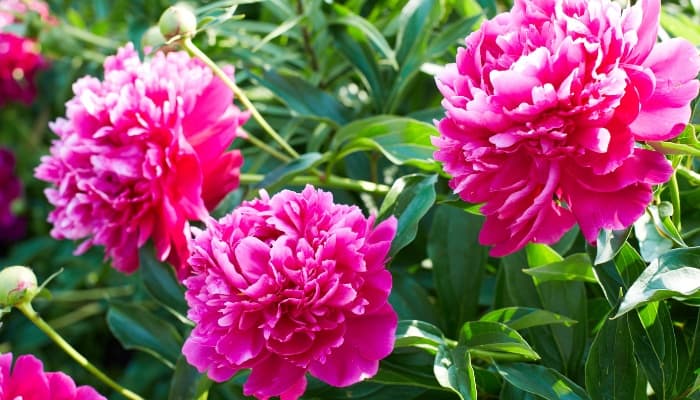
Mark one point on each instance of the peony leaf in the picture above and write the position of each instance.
(414, 333)
(303, 98)
(654, 343)
(611, 368)
(458, 265)
(369, 31)
(544, 382)
(576, 267)
(409, 199)
(283, 174)
(495, 341)
(651, 243)
(408, 368)
(160, 282)
(608, 244)
(401, 140)
(187, 383)
(137, 328)
(453, 370)
(526, 317)
(674, 274)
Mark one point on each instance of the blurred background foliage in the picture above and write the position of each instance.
(313, 67)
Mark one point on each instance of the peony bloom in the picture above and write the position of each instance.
(140, 153)
(545, 107)
(20, 59)
(291, 284)
(12, 227)
(12, 10)
(28, 381)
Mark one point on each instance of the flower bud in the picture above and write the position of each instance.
(17, 285)
(178, 20)
(152, 38)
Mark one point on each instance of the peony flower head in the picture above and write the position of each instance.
(139, 154)
(28, 381)
(11, 11)
(20, 61)
(545, 109)
(12, 227)
(290, 284)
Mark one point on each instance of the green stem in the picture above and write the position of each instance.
(27, 309)
(90, 37)
(689, 174)
(331, 181)
(92, 294)
(194, 50)
(675, 200)
(675, 148)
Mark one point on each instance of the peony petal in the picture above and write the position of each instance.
(273, 376)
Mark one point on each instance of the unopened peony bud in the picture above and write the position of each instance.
(178, 20)
(152, 38)
(17, 285)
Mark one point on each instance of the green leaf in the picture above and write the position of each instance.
(655, 347)
(576, 267)
(359, 53)
(651, 243)
(279, 176)
(417, 19)
(452, 33)
(406, 367)
(187, 383)
(303, 98)
(458, 265)
(680, 25)
(137, 328)
(409, 299)
(401, 140)
(541, 254)
(279, 31)
(608, 244)
(453, 370)
(674, 274)
(409, 199)
(611, 369)
(369, 31)
(495, 341)
(541, 381)
(526, 317)
(414, 333)
(160, 282)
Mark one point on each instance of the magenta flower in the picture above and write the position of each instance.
(28, 381)
(140, 153)
(12, 227)
(291, 284)
(544, 108)
(20, 61)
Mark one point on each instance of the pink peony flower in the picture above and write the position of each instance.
(28, 381)
(20, 61)
(12, 227)
(291, 284)
(12, 11)
(140, 153)
(544, 109)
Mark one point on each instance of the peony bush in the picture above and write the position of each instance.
(349, 200)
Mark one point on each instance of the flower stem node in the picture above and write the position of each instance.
(17, 285)
(178, 21)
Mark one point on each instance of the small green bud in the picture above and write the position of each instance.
(17, 285)
(178, 20)
(152, 38)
